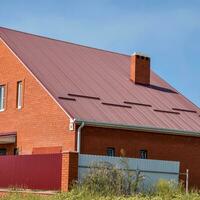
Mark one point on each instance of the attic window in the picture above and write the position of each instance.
(2, 97)
(19, 94)
(184, 110)
(137, 104)
(84, 96)
(166, 111)
(67, 98)
(116, 105)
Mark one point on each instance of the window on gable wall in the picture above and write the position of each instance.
(19, 94)
(2, 97)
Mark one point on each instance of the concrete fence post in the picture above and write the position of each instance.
(69, 172)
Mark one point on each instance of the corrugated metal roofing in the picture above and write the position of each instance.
(93, 84)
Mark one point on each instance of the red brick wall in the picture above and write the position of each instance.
(41, 122)
(47, 150)
(69, 170)
(159, 146)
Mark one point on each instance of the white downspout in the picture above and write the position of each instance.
(79, 137)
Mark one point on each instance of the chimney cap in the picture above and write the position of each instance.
(140, 54)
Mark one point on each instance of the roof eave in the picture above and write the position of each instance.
(138, 128)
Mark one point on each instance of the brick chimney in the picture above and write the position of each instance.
(140, 69)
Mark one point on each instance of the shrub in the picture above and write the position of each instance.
(107, 179)
(169, 189)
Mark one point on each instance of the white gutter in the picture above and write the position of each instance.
(139, 128)
(79, 137)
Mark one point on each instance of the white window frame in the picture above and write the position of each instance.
(2, 98)
(19, 94)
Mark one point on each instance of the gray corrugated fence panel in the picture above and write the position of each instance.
(134, 163)
(151, 170)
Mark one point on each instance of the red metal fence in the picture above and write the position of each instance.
(42, 172)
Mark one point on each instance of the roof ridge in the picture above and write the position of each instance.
(58, 40)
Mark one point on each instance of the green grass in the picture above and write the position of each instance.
(85, 195)
(164, 190)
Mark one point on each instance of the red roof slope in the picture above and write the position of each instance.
(93, 85)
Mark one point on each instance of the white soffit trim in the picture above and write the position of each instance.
(70, 117)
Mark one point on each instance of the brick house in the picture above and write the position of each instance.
(58, 96)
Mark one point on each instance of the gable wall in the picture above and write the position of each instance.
(41, 122)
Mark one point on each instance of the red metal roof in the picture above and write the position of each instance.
(93, 84)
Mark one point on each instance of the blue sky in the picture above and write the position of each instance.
(168, 31)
